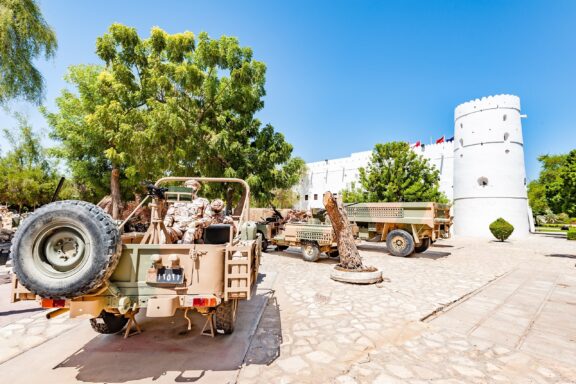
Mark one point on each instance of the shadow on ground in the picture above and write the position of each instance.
(19, 311)
(441, 246)
(294, 253)
(424, 255)
(430, 255)
(164, 346)
(562, 255)
(265, 346)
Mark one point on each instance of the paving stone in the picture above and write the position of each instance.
(293, 364)
(400, 371)
(468, 371)
(320, 357)
(345, 380)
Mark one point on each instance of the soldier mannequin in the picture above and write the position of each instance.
(216, 216)
(185, 219)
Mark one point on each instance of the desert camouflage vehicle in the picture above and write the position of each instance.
(312, 238)
(269, 227)
(72, 256)
(406, 227)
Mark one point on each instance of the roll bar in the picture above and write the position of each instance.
(244, 216)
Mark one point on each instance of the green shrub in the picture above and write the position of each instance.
(501, 229)
(571, 233)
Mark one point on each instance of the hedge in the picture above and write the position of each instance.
(571, 234)
(501, 229)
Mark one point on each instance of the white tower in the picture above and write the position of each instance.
(489, 173)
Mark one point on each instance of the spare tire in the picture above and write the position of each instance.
(66, 249)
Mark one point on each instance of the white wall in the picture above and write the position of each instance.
(337, 174)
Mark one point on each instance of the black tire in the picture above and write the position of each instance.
(225, 317)
(108, 323)
(66, 249)
(400, 243)
(264, 242)
(334, 253)
(281, 248)
(424, 245)
(310, 252)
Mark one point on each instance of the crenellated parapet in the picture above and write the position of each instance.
(486, 103)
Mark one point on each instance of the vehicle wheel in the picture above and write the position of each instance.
(334, 253)
(310, 252)
(264, 242)
(423, 246)
(66, 249)
(108, 323)
(281, 248)
(400, 243)
(226, 316)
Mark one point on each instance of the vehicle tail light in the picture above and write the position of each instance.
(53, 303)
(204, 302)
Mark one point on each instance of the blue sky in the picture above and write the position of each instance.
(344, 75)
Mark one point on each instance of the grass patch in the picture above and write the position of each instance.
(550, 229)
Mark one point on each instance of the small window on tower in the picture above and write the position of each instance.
(483, 181)
(506, 136)
(504, 117)
(461, 142)
(315, 196)
(306, 197)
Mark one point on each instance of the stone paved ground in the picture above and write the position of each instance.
(317, 330)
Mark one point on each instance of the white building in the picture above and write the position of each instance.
(338, 174)
(482, 170)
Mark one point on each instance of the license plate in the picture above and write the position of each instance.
(170, 276)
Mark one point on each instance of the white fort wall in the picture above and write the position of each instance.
(337, 174)
(489, 172)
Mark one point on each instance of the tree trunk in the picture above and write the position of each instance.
(349, 255)
(240, 205)
(115, 193)
(229, 197)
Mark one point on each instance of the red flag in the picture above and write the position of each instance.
(440, 140)
(417, 144)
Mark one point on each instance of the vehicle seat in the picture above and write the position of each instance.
(217, 234)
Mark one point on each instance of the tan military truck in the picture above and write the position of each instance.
(313, 239)
(73, 256)
(406, 227)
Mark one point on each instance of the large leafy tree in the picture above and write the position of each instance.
(27, 175)
(568, 191)
(551, 179)
(171, 104)
(24, 36)
(396, 173)
(537, 198)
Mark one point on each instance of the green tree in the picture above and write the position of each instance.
(354, 194)
(396, 173)
(170, 104)
(551, 179)
(567, 192)
(24, 36)
(81, 143)
(27, 175)
(537, 198)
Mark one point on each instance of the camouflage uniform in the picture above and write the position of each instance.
(185, 220)
(216, 216)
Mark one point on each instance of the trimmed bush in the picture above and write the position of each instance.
(571, 233)
(501, 229)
